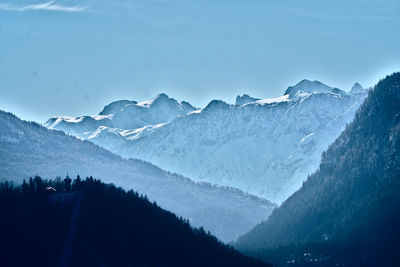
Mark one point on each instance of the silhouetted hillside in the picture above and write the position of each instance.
(89, 223)
(348, 212)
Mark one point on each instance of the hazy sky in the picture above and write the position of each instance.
(72, 57)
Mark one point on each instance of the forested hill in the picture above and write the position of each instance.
(89, 223)
(353, 198)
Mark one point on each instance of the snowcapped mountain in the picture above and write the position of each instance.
(27, 149)
(357, 88)
(123, 114)
(244, 99)
(306, 86)
(266, 147)
(351, 203)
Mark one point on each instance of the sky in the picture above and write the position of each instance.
(72, 57)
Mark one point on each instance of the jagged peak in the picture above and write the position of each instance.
(161, 96)
(187, 106)
(357, 88)
(216, 104)
(116, 106)
(164, 99)
(158, 99)
(308, 87)
(244, 99)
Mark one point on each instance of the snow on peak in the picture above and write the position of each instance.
(284, 98)
(54, 121)
(337, 91)
(163, 101)
(230, 144)
(158, 99)
(244, 99)
(122, 114)
(159, 109)
(356, 88)
(116, 106)
(307, 86)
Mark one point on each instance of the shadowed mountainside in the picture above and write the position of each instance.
(351, 205)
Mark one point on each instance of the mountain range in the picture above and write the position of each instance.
(330, 157)
(28, 149)
(348, 210)
(266, 147)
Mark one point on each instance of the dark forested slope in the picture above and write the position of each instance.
(47, 223)
(354, 197)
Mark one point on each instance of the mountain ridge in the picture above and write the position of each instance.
(125, 114)
(224, 143)
(222, 131)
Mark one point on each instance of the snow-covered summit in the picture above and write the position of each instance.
(159, 109)
(307, 86)
(244, 99)
(116, 106)
(160, 99)
(123, 114)
(80, 125)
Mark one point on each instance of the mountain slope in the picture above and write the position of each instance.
(266, 147)
(96, 224)
(354, 196)
(28, 149)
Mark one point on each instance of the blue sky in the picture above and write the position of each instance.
(73, 57)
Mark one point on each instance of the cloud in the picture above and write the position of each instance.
(48, 6)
